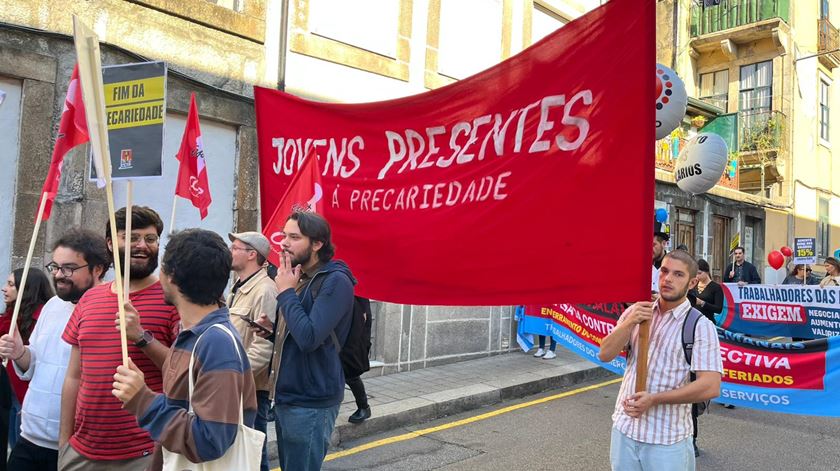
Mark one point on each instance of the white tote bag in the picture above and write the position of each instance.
(243, 455)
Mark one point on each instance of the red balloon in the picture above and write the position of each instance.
(786, 251)
(776, 259)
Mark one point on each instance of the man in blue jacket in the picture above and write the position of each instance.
(316, 300)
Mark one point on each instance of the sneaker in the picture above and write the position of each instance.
(539, 353)
(729, 406)
(549, 355)
(359, 416)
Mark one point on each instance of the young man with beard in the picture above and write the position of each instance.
(252, 294)
(742, 272)
(80, 259)
(195, 270)
(652, 429)
(96, 432)
(310, 387)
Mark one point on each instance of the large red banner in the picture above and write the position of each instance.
(530, 182)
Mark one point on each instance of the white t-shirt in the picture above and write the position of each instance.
(654, 279)
(49, 355)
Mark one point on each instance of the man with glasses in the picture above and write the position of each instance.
(80, 259)
(96, 433)
(252, 294)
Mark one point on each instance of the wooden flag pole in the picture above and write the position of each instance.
(90, 74)
(642, 354)
(20, 289)
(129, 187)
(172, 219)
(118, 275)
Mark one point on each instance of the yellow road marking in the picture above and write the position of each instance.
(458, 423)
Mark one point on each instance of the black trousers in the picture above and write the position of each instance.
(358, 389)
(28, 456)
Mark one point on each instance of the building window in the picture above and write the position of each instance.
(350, 23)
(714, 88)
(824, 114)
(235, 5)
(756, 87)
(544, 21)
(824, 9)
(465, 49)
(823, 229)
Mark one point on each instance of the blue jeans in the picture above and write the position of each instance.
(261, 424)
(303, 436)
(553, 342)
(627, 454)
(14, 422)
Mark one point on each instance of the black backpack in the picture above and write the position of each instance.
(355, 352)
(689, 326)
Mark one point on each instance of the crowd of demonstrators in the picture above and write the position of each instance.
(252, 294)
(742, 271)
(199, 413)
(96, 432)
(79, 261)
(832, 273)
(652, 429)
(86, 410)
(13, 390)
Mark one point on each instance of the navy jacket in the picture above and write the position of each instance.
(310, 368)
(747, 273)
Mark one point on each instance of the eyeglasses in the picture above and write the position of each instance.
(65, 269)
(150, 239)
(244, 249)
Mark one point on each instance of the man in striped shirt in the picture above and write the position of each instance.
(194, 273)
(96, 433)
(652, 428)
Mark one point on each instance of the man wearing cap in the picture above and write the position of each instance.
(659, 240)
(252, 294)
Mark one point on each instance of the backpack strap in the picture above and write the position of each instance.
(689, 327)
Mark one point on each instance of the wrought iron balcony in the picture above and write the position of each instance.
(829, 43)
(735, 13)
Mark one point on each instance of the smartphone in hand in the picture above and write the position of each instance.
(252, 323)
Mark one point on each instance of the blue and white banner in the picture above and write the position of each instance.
(799, 311)
(791, 377)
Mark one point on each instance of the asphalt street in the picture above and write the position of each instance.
(572, 433)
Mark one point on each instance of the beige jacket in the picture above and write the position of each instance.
(258, 295)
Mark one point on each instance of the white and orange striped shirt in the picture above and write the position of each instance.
(666, 424)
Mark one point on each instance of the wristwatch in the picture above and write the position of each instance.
(146, 339)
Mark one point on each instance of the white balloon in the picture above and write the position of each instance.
(671, 100)
(701, 163)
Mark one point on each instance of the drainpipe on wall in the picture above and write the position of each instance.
(675, 32)
(284, 42)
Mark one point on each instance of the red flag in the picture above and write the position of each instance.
(72, 131)
(192, 173)
(305, 192)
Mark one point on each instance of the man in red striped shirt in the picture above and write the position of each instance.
(96, 433)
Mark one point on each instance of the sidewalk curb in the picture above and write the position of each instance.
(454, 401)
